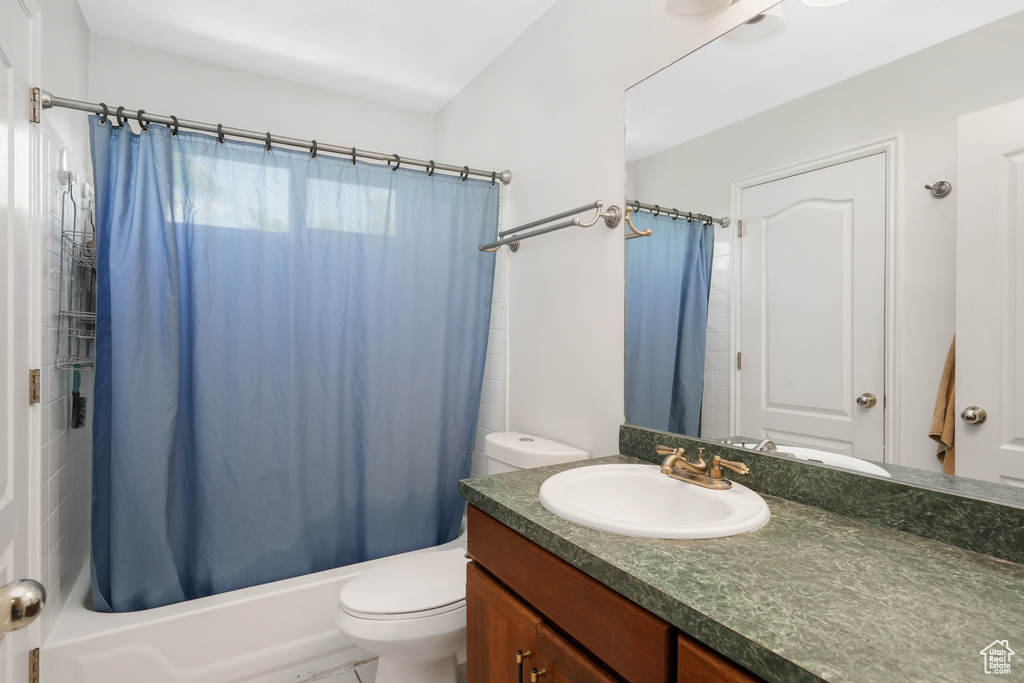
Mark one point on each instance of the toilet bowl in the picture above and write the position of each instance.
(411, 612)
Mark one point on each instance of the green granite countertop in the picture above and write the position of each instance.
(810, 596)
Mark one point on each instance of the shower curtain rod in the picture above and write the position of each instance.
(676, 213)
(42, 99)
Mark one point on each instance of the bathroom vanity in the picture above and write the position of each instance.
(520, 597)
(810, 596)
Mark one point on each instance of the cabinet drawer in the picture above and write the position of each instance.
(700, 664)
(634, 643)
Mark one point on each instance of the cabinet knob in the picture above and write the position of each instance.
(520, 656)
(535, 675)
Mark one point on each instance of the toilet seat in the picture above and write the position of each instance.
(411, 587)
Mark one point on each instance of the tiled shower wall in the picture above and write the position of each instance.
(493, 416)
(65, 465)
(718, 359)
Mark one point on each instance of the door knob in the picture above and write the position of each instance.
(973, 415)
(21, 602)
(866, 400)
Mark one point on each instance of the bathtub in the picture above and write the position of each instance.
(275, 633)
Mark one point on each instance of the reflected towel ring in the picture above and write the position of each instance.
(312, 151)
(121, 120)
(268, 143)
(142, 124)
(464, 174)
(494, 176)
(106, 112)
(353, 156)
(174, 131)
(220, 133)
(398, 162)
(430, 168)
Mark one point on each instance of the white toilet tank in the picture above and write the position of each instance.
(510, 451)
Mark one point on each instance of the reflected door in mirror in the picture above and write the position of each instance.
(990, 293)
(812, 308)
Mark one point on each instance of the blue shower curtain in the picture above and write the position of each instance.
(668, 282)
(290, 353)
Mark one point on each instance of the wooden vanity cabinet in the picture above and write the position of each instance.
(521, 597)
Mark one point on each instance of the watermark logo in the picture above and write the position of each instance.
(997, 657)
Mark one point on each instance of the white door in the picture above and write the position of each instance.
(990, 293)
(812, 309)
(16, 417)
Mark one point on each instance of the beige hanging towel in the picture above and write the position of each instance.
(944, 418)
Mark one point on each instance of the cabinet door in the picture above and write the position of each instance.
(700, 664)
(497, 626)
(559, 662)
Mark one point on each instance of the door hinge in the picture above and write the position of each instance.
(739, 228)
(33, 666)
(37, 106)
(33, 387)
(739, 360)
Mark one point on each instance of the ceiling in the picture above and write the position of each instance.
(409, 53)
(725, 82)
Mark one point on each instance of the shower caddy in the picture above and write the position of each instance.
(76, 319)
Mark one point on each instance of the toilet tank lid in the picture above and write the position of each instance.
(524, 450)
(410, 583)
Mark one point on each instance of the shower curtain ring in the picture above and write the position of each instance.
(494, 176)
(220, 133)
(636, 205)
(398, 162)
(268, 143)
(174, 131)
(121, 120)
(430, 168)
(464, 174)
(106, 112)
(675, 214)
(312, 151)
(657, 210)
(142, 124)
(353, 156)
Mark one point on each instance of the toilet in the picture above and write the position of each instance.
(410, 610)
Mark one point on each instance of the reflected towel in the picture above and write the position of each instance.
(944, 418)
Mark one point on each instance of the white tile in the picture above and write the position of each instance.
(491, 417)
(493, 393)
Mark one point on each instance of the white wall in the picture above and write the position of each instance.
(133, 76)
(551, 109)
(918, 98)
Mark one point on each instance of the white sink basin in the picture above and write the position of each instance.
(638, 500)
(834, 459)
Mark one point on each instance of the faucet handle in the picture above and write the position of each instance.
(717, 464)
(668, 450)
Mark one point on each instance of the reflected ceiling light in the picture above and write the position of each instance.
(823, 3)
(759, 28)
(696, 9)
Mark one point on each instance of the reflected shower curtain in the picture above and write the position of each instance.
(290, 354)
(668, 282)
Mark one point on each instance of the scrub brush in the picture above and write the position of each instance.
(78, 408)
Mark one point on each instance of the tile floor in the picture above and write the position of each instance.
(363, 672)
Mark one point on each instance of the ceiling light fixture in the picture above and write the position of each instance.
(696, 9)
(759, 28)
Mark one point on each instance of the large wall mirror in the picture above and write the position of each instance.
(831, 320)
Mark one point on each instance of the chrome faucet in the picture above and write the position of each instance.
(766, 446)
(711, 476)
